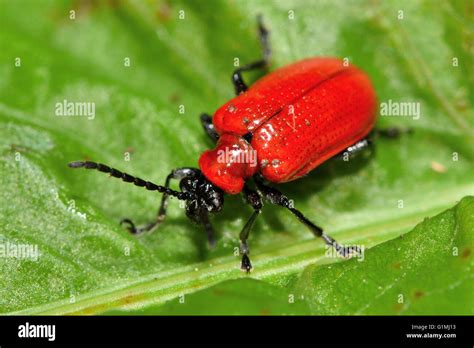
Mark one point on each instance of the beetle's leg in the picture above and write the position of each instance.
(368, 142)
(204, 217)
(253, 198)
(353, 150)
(237, 80)
(239, 84)
(208, 126)
(160, 216)
(137, 230)
(263, 35)
(391, 132)
(276, 197)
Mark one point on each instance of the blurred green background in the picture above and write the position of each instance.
(181, 55)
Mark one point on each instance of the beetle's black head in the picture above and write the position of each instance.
(206, 197)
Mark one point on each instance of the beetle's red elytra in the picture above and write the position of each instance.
(291, 120)
(299, 116)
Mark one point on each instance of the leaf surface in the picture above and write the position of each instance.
(88, 263)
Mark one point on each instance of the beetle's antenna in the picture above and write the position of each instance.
(129, 178)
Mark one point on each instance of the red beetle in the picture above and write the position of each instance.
(278, 130)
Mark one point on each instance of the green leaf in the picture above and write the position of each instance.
(88, 263)
(425, 272)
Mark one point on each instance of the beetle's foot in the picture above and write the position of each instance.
(246, 266)
(131, 226)
(140, 229)
(211, 242)
(344, 251)
(160, 218)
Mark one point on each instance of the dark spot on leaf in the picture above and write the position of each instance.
(163, 13)
(218, 292)
(470, 8)
(264, 311)
(19, 148)
(128, 299)
(418, 294)
(398, 307)
(466, 253)
(174, 98)
(397, 265)
(461, 104)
